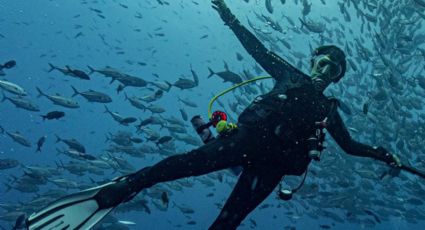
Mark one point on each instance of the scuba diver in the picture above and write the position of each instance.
(278, 134)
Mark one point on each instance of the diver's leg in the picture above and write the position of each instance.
(254, 185)
(217, 155)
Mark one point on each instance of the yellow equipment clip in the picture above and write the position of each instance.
(223, 126)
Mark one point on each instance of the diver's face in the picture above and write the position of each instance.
(324, 71)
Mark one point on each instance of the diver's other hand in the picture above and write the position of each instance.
(390, 158)
(224, 12)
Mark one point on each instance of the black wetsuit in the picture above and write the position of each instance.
(270, 141)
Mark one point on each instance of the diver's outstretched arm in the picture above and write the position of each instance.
(276, 66)
(342, 137)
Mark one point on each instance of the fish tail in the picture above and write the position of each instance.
(58, 139)
(91, 69)
(58, 151)
(40, 93)
(120, 88)
(92, 180)
(113, 167)
(44, 117)
(14, 178)
(106, 109)
(107, 138)
(52, 67)
(211, 72)
(62, 165)
(38, 149)
(138, 127)
(75, 91)
(59, 166)
(169, 85)
(302, 22)
(8, 187)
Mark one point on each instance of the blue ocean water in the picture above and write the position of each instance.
(167, 38)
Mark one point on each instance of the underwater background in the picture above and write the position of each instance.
(160, 41)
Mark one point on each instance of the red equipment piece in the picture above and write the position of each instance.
(218, 116)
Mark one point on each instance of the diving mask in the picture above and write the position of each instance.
(324, 71)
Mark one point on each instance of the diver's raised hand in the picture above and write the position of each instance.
(224, 12)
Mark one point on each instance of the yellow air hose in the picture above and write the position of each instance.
(232, 88)
(223, 126)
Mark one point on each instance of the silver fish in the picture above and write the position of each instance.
(12, 88)
(59, 100)
(18, 138)
(22, 103)
(93, 96)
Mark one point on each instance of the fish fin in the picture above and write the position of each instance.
(211, 72)
(68, 68)
(75, 91)
(126, 96)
